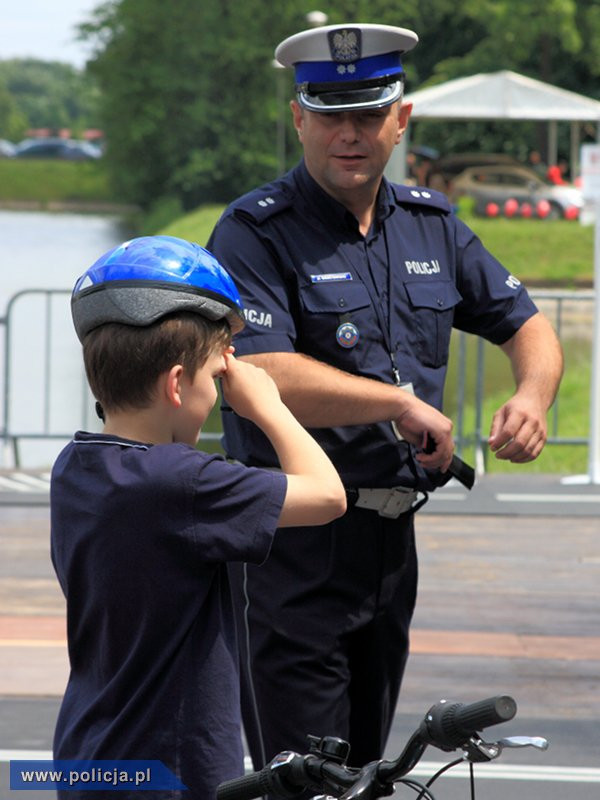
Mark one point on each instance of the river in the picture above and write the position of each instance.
(44, 250)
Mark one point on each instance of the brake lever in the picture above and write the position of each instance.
(525, 741)
(476, 750)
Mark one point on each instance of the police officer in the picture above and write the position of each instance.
(351, 286)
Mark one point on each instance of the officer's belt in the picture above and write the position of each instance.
(387, 502)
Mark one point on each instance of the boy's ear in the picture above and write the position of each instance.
(172, 385)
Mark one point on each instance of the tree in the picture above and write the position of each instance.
(189, 97)
(556, 41)
(48, 95)
(13, 122)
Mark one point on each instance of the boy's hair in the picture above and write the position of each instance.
(124, 362)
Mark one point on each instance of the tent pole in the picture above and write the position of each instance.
(574, 160)
(552, 142)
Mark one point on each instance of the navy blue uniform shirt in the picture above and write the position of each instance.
(381, 306)
(140, 536)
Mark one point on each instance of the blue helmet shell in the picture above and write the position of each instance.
(146, 278)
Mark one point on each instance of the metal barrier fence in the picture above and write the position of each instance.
(45, 395)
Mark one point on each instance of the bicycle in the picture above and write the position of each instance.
(323, 770)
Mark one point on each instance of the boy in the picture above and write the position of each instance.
(143, 523)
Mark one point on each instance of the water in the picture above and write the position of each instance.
(40, 250)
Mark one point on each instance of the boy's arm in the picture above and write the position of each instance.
(315, 494)
(322, 396)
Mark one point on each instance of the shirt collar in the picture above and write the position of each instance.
(84, 437)
(327, 207)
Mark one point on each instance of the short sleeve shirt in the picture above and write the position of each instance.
(140, 537)
(382, 306)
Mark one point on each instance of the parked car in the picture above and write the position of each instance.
(500, 183)
(7, 149)
(443, 170)
(55, 147)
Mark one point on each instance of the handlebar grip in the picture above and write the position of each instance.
(449, 725)
(256, 784)
(476, 716)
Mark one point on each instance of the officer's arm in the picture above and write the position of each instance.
(518, 431)
(322, 396)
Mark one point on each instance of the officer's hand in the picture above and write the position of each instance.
(249, 390)
(422, 424)
(518, 431)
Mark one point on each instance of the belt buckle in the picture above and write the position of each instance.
(397, 502)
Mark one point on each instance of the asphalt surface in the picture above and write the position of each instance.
(508, 604)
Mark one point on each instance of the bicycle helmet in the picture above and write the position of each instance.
(146, 278)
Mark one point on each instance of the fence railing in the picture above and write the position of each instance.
(45, 395)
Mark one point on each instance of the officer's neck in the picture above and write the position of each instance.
(360, 199)
(361, 202)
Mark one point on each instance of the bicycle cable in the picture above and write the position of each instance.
(417, 786)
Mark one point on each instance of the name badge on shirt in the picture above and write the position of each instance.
(331, 277)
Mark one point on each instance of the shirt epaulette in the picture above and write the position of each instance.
(264, 203)
(421, 195)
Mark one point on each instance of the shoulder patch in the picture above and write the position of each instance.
(422, 196)
(263, 203)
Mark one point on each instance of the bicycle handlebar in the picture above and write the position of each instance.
(447, 726)
(245, 788)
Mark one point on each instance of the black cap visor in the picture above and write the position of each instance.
(349, 96)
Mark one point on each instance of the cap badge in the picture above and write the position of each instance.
(345, 45)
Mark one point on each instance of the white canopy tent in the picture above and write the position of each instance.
(501, 95)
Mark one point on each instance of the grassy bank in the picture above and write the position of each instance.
(54, 181)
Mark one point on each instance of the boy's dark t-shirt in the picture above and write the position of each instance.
(140, 537)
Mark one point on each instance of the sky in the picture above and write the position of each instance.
(44, 29)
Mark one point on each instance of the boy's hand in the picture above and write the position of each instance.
(249, 390)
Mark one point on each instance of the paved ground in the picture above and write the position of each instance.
(508, 604)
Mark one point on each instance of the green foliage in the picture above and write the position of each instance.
(47, 95)
(189, 92)
(192, 106)
(548, 40)
(191, 103)
(13, 122)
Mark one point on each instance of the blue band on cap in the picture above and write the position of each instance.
(329, 71)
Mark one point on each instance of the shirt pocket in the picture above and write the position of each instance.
(432, 303)
(337, 297)
(323, 308)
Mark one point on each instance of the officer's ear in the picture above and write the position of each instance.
(297, 117)
(404, 112)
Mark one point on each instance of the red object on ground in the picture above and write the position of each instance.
(526, 210)
(542, 209)
(572, 212)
